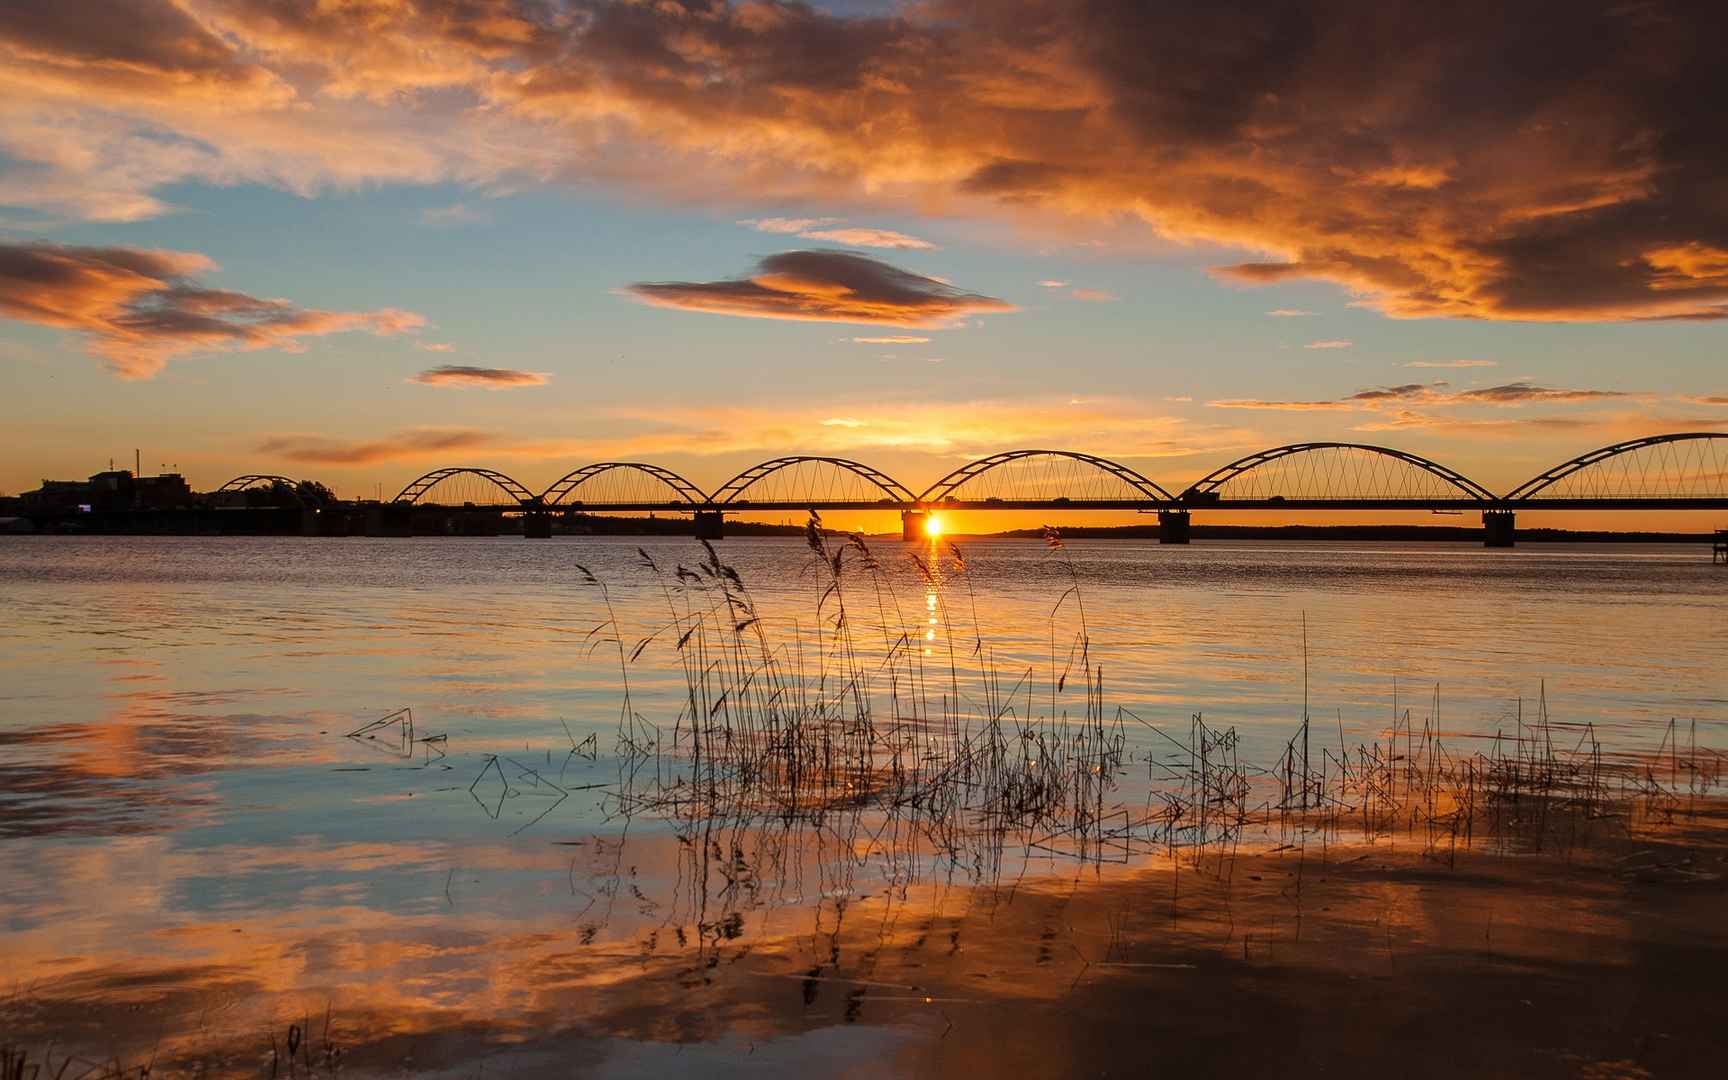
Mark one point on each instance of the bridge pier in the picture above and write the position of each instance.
(536, 525)
(710, 525)
(1498, 528)
(479, 523)
(914, 525)
(1173, 526)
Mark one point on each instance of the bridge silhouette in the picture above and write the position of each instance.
(1685, 471)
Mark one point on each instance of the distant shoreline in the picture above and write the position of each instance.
(1366, 532)
(671, 526)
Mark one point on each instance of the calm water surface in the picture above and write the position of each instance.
(184, 828)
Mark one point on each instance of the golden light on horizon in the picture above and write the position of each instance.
(933, 526)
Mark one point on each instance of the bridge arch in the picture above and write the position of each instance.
(659, 482)
(1048, 469)
(1336, 471)
(417, 490)
(805, 479)
(241, 483)
(1654, 467)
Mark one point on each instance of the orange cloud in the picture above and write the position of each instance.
(1520, 393)
(866, 237)
(1281, 406)
(1602, 427)
(836, 231)
(1521, 192)
(929, 435)
(413, 443)
(788, 225)
(141, 308)
(825, 286)
(1430, 394)
(488, 378)
(1688, 265)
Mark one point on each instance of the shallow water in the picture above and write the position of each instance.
(183, 824)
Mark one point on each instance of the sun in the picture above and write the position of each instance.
(933, 526)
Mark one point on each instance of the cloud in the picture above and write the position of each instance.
(834, 230)
(788, 225)
(958, 431)
(1288, 313)
(1051, 283)
(1435, 394)
(1409, 420)
(1096, 296)
(459, 375)
(1708, 399)
(434, 346)
(1333, 344)
(853, 236)
(825, 286)
(1471, 173)
(883, 433)
(455, 214)
(1452, 364)
(139, 308)
(1684, 266)
(1621, 425)
(411, 443)
(1281, 406)
(1521, 393)
(895, 339)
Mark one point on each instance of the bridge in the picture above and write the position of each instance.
(1685, 471)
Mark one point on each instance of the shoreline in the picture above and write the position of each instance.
(661, 527)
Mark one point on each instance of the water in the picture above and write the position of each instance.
(186, 834)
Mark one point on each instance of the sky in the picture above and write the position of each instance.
(354, 240)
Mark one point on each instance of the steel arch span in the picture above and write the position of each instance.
(415, 491)
(846, 482)
(1656, 467)
(1138, 488)
(241, 483)
(560, 490)
(1337, 468)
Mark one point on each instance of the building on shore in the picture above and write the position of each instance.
(108, 492)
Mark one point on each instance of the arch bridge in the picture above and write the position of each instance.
(252, 480)
(1679, 471)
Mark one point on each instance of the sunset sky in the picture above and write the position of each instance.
(357, 239)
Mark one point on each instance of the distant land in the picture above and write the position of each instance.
(1361, 532)
(295, 522)
(627, 526)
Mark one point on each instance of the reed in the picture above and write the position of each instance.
(850, 726)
